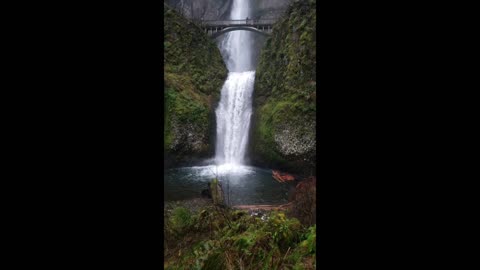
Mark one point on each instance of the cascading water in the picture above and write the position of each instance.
(233, 117)
(235, 107)
(237, 46)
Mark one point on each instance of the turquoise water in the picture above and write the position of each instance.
(243, 184)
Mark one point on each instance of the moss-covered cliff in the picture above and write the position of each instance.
(193, 77)
(284, 123)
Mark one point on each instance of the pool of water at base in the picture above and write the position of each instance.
(243, 184)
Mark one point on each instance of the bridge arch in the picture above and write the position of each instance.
(215, 29)
(237, 28)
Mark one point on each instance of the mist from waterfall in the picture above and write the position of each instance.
(235, 107)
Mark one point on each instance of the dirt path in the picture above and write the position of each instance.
(266, 207)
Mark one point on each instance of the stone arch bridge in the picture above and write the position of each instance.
(217, 28)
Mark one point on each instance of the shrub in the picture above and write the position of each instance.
(180, 220)
(304, 202)
(239, 241)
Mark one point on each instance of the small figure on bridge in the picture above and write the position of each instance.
(246, 21)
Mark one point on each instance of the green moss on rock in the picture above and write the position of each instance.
(285, 93)
(193, 75)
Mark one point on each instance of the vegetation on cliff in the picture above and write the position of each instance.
(193, 76)
(285, 93)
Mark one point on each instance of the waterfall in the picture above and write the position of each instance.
(233, 117)
(235, 107)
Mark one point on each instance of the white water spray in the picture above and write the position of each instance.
(235, 107)
(233, 117)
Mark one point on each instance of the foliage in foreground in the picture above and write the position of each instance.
(217, 238)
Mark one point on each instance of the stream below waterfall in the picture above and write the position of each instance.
(243, 184)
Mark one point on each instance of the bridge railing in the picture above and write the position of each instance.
(238, 22)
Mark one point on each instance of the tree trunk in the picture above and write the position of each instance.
(217, 192)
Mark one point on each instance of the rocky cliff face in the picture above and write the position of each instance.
(284, 124)
(220, 9)
(193, 76)
(269, 8)
(202, 9)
